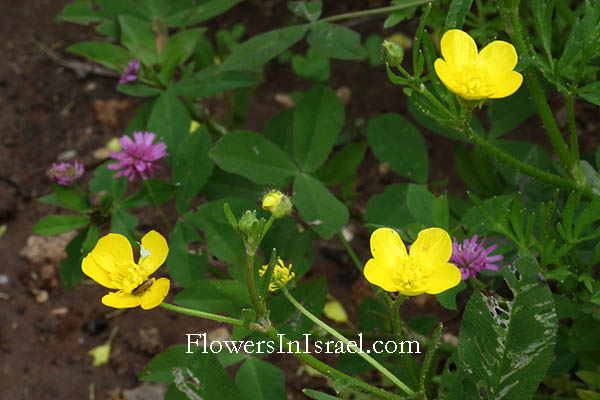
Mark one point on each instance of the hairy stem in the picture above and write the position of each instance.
(352, 346)
(157, 205)
(374, 11)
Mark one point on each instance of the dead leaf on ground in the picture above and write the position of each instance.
(107, 111)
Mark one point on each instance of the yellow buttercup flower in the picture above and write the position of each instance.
(277, 203)
(424, 270)
(477, 76)
(111, 264)
(281, 275)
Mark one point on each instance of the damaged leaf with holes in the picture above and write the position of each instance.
(506, 345)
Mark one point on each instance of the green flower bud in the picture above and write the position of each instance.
(247, 221)
(393, 53)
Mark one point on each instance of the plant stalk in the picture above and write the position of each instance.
(374, 11)
(157, 205)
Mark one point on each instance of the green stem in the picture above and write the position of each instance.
(212, 125)
(352, 346)
(399, 336)
(351, 252)
(252, 286)
(519, 165)
(539, 98)
(267, 226)
(157, 205)
(304, 357)
(374, 11)
(202, 314)
(572, 129)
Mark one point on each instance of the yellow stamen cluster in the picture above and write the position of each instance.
(281, 275)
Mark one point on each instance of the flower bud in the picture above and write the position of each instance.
(393, 53)
(277, 203)
(247, 221)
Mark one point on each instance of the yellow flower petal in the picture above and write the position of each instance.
(154, 251)
(121, 300)
(432, 247)
(443, 277)
(498, 58)
(386, 246)
(507, 84)
(112, 251)
(458, 48)
(445, 73)
(334, 310)
(412, 292)
(94, 271)
(379, 273)
(155, 294)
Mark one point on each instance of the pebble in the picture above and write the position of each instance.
(3, 279)
(41, 296)
(47, 272)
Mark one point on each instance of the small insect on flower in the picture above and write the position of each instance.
(424, 270)
(138, 156)
(281, 275)
(65, 173)
(477, 76)
(111, 264)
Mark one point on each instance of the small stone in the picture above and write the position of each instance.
(284, 100)
(41, 296)
(47, 272)
(61, 311)
(218, 335)
(146, 391)
(345, 95)
(3, 279)
(14, 326)
(150, 339)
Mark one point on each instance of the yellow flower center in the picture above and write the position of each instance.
(281, 275)
(128, 277)
(410, 274)
(473, 80)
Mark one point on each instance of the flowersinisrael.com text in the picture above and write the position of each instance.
(283, 346)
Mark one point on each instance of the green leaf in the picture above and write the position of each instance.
(52, 225)
(509, 344)
(70, 267)
(313, 394)
(542, 22)
(448, 298)
(138, 90)
(506, 115)
(201, 12)
(312, 294)
(318, 119)
(192, 167)
(318, 207)
(249, 154)
(440, 214)
(211, 81)
(163, 191)
(390, 208)
(279, 130)
(258, 50)
(170, 119)
(70, 198)
(312, 67)
(587, 394)
(205, 296)
(222, 184)
(124, 223)
(104, 181)
(420, 204)
(396, 141)
(343, 165)
(457, 13)
(181, 45)
(213, 381)
(138, 37)
(185, 267)
(79, 12)
(109, 55)
(159, 369)
(261, 380)
(591, 93)
(336, 41)
(221, 239)
(309, 10)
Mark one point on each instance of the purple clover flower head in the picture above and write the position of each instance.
(65, 173)
(131, 72)
(471, 257)
(138, 156)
